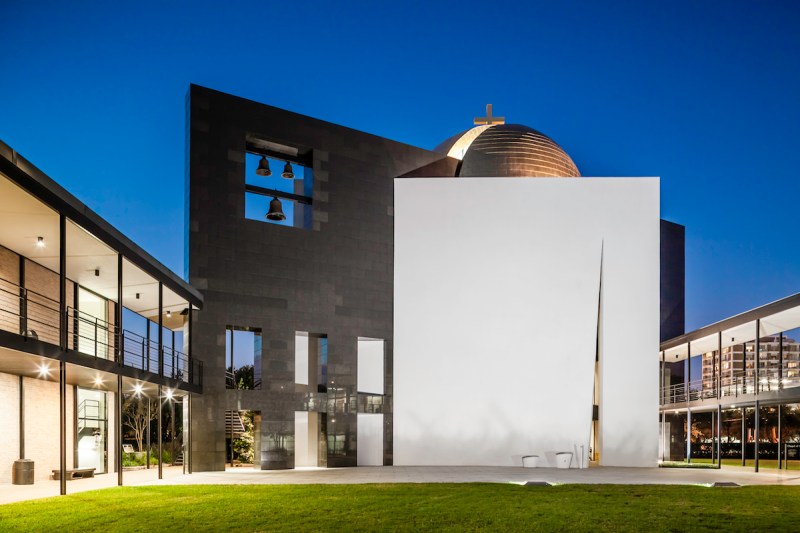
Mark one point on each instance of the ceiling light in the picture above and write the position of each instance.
(40, 242)
(44, 370)
(275, 210)
(287, 171)
(263, 167)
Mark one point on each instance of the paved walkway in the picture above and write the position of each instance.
(489, 474)
(412, 474)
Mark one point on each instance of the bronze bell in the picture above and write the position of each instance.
(275, 210)
(263, 167)
(287, 171)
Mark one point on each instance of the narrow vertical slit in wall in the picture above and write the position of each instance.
(594, 454)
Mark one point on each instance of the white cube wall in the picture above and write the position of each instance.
(496, 299)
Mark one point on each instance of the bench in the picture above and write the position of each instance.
(74, 473)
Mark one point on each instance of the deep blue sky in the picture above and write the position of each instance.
(702, 94)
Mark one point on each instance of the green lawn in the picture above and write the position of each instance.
(762, 463)
(411, 507)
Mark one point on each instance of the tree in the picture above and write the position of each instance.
(243, 444)
(243, 377)
(136, 416)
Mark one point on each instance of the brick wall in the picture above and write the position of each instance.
(9, 422)
(42, 425)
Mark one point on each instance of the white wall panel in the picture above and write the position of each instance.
(370, 365)
(496, 303)
(370, 440)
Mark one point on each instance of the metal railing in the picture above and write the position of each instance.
(36, 316)
(739, 383)
(28, 313)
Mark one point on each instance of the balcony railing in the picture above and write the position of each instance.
(36, 316)
(742, 382)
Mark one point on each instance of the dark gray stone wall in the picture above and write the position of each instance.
(335, 278)
(673, 280)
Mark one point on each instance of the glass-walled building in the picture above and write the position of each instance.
(730, 392)
(96, 364)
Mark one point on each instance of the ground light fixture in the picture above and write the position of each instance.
(275, 210)
(287, 171)
(263, 168)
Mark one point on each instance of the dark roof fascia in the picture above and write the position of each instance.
(36, 182)
(737, 320)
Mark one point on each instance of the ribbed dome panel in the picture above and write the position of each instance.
(512, 150)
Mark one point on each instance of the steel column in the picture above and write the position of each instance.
(756, 431)
(120, 360)
(780, 436)
(160, 437)
(172, 429)
(62, 365)
(719, 435)
(21, 417)
(187, 447)
(62, 395)
(118, 429)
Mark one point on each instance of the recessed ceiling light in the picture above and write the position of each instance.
(44, 370)
(137, 389)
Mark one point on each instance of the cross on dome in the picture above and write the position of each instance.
(489, 119)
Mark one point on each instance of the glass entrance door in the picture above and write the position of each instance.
(92, 430)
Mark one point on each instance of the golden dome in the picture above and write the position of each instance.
(508, 150)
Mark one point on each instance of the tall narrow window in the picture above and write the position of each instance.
(242, 358)
(311, 360)
(370, 365)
